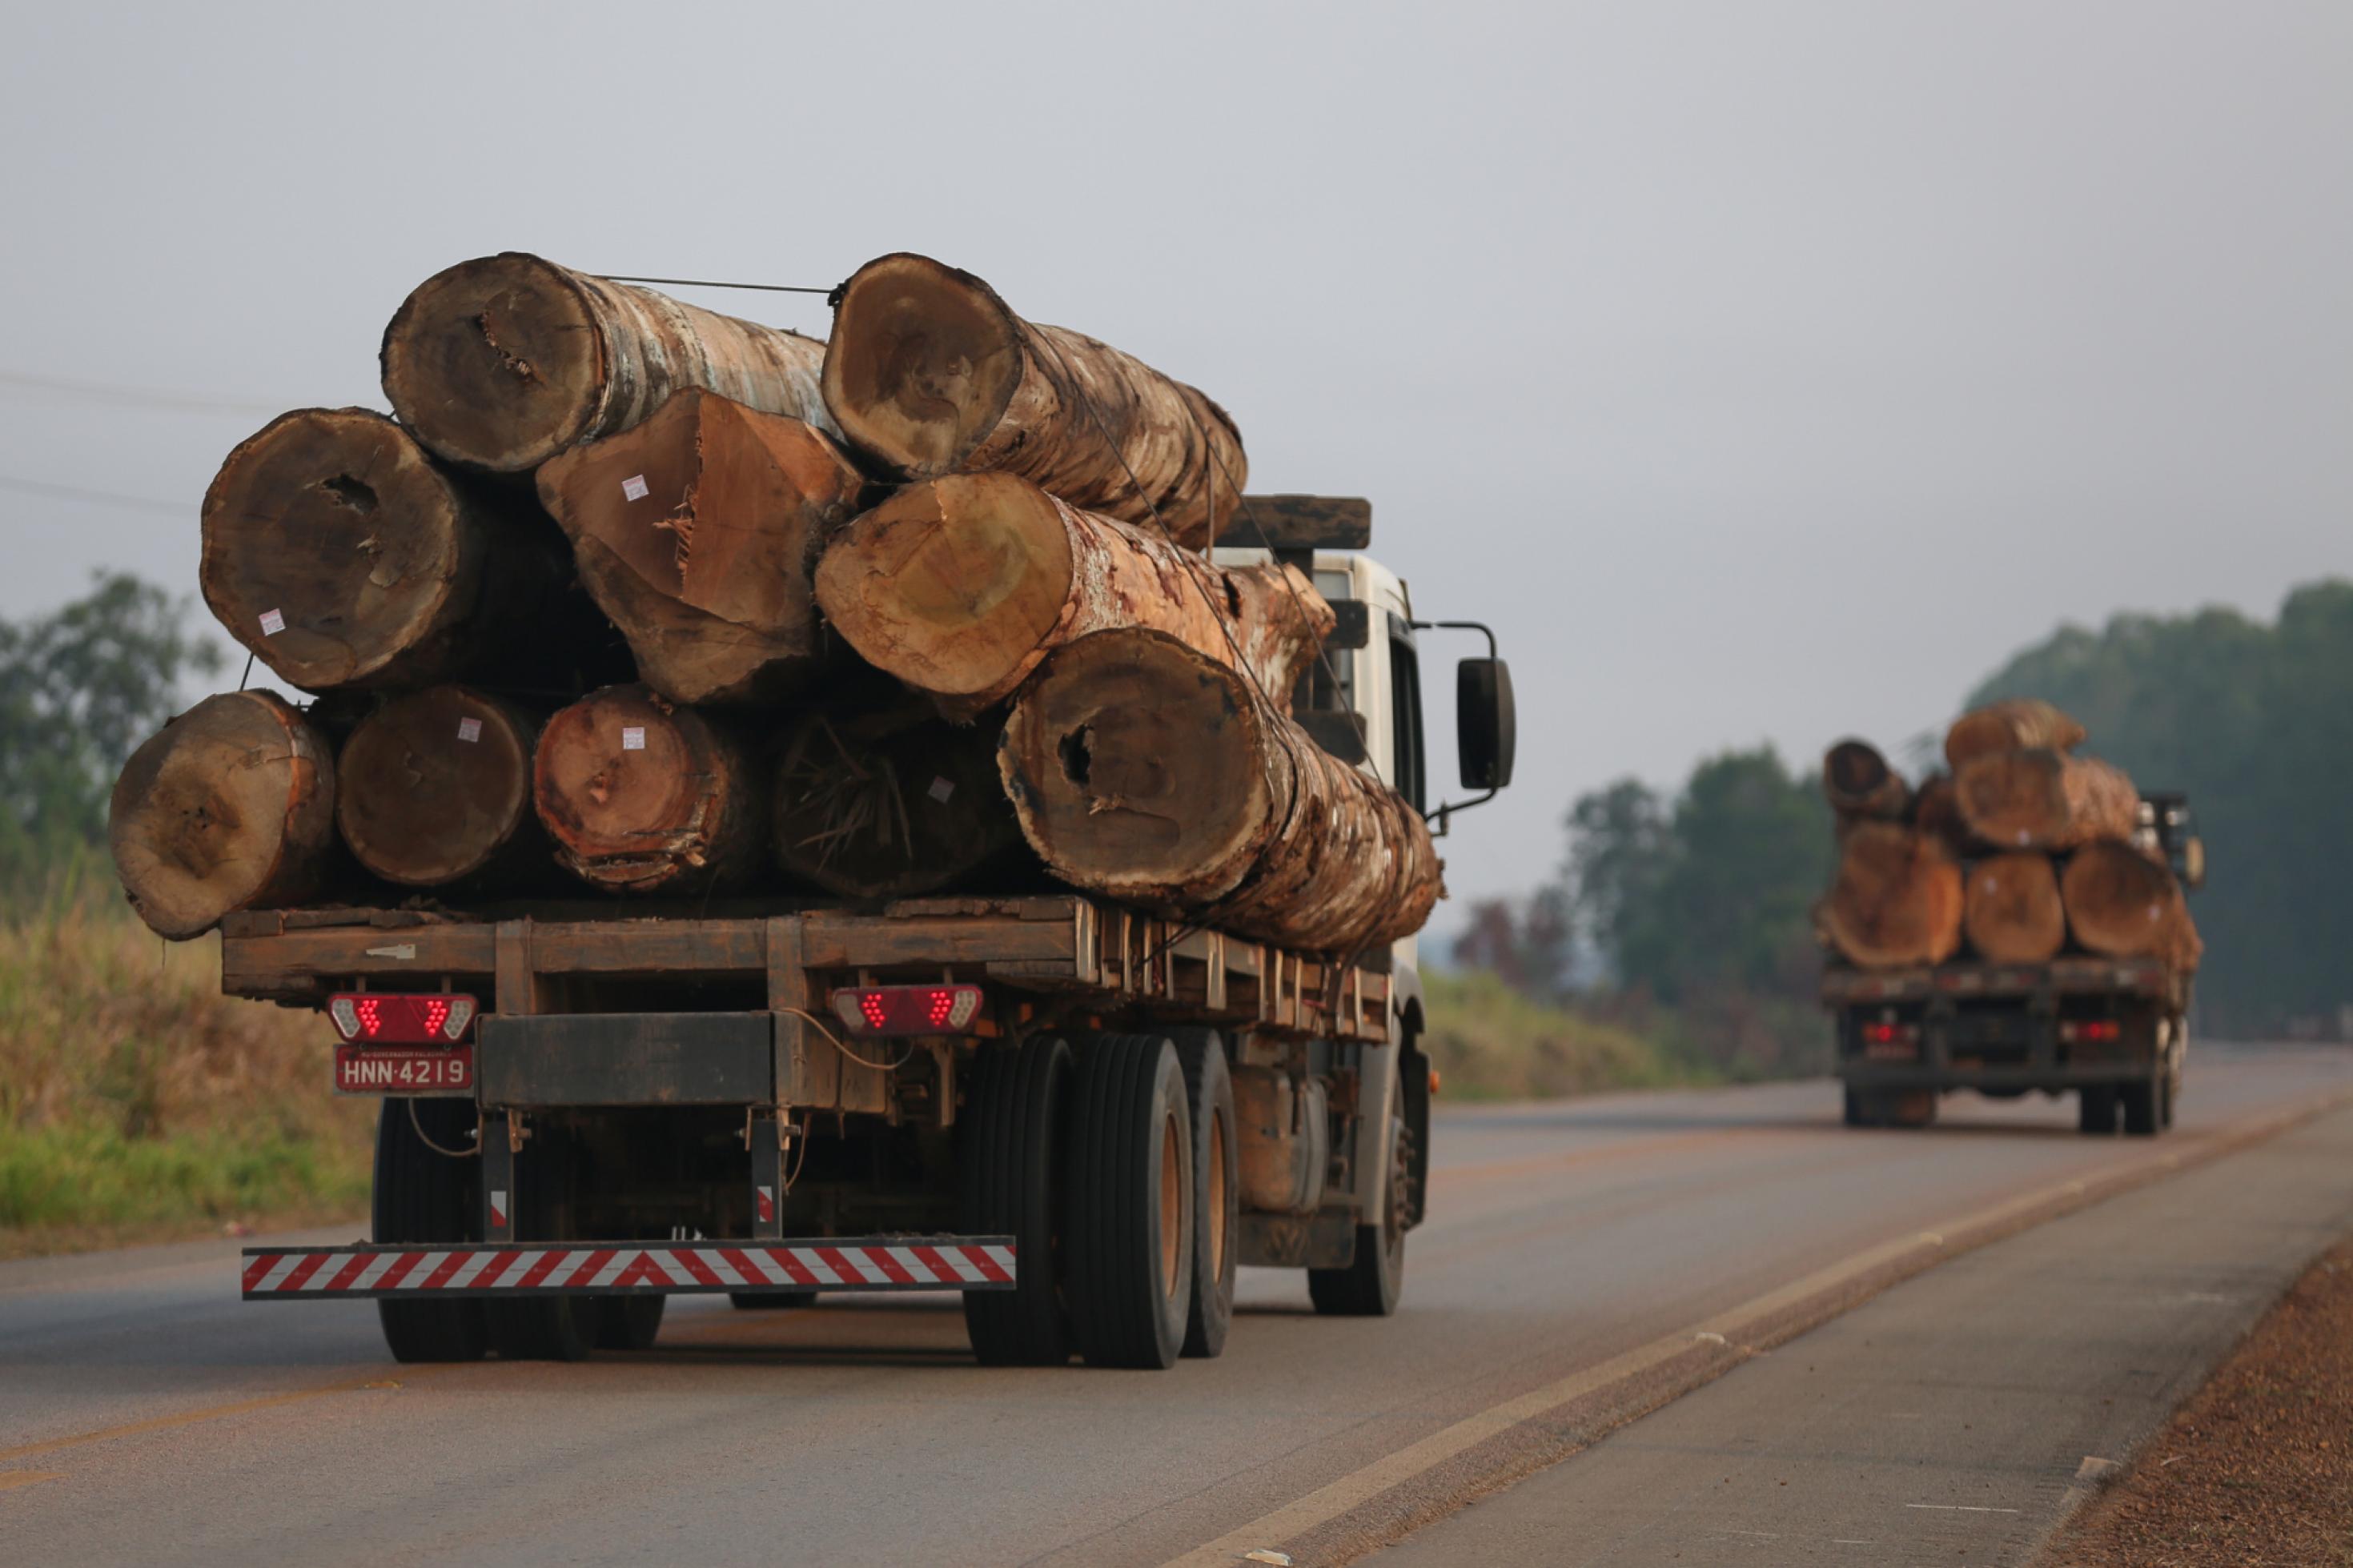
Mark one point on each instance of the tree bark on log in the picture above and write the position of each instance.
(1896, 901)
(230, 806)
(1936, 810)
(1857, 782)
(961, 585)
(696, 533)
(930, 372)
(1141, 769)
(2045, 799)
(889, 801)
(2012, 912)
(341, 555)
(435, 787)
(643, 796)
(2122, 904)
(502, 362)
(2012, 725)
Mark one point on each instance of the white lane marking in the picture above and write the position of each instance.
(1958, 1508)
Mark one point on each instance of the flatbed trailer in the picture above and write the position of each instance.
(2112, 1031)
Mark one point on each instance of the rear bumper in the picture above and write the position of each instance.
(2053, 1076)
(628, 1269)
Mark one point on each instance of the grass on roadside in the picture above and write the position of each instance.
(137, 1101)
(1488, 1042)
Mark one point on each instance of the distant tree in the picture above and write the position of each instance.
(1526, 943)
(1618, 849)
(78, 691)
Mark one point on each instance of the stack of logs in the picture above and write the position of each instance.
(2019, 850)
(630, 595)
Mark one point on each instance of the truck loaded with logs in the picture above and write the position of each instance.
(774, 817)
(2015, 924)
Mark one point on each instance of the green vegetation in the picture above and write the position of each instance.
(2256, 723)
(1489, 1042)
(1689, 914)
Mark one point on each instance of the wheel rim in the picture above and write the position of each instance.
(1172, 1204)
(1214, 1222)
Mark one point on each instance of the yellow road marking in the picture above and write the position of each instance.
(11, 1479)
(200, 1415)
(1723, 1338)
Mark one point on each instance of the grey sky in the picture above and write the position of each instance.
(1762, 370)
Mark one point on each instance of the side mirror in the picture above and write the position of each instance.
(2191, 865)
(1486, 727)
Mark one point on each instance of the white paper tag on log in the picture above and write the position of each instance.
(633, 738)
(272, 622)
(634, 488)
(469, 728)
(940, 791)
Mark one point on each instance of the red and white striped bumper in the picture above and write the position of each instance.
(894, 1263)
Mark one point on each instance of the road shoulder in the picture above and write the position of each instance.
(1964, 1415)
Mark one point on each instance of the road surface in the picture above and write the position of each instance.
(1586, 1261)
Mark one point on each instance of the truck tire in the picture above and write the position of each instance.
(2140, 1107)
(1853, 1115)
(1414, 1095)
(1012, 1186)
(2095, 1110)
(422, 1197)
(1129, 1254)
(1216, 1188)
(1369, 1286)
(628, 1322)
(1912, 1108)
(550, 1328)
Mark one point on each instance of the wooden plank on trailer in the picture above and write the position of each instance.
(1304, 523)
(515, 985)
(808, 1070)
(360, 950)
(869, 942)
(652, 947)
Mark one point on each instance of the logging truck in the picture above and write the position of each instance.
(1080, 1113)
(2113, 1031)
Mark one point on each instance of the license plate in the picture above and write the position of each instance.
(404, 1070)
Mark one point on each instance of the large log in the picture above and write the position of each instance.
(2039, 798)
(2122, 903)
(643, 796)
(2012, 912)
(502, 362)
(961, 585)
(1936, 810)
(337, 551)
(1896, 901)
(1143, 769)
(930, 372)
(1857, 782)
(889, 801)
(696, 533)
(435, 788)
(230, 806)
(2007, 726)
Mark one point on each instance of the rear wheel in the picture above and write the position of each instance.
(2095, 1110)
(1012, 1142)
(1854, 1116)
(550, 1328)
(428, 1197)
(1130, 1177)
(2140, 1107)
(1369, 1286)
(1912, 1108)
(1216, 1188)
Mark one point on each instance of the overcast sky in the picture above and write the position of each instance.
(1762, 370)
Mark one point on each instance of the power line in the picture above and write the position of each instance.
(142, 396)
(108, 498)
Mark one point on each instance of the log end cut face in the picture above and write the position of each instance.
(2122, 904)
(228, 807)
(623, 783)
(953, 585)
(432, 787)
(1136, 767)
(333, 548)
(2013, 799)
(498, 362)
(1897, 899)
(2012, 913)
(924, 362)
(2006, 726)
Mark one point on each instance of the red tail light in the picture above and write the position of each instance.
(2104, 1030)
(388, 1018)
(907, 1009)
(1886, 1034)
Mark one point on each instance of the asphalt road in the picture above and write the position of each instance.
(1587, 1260)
